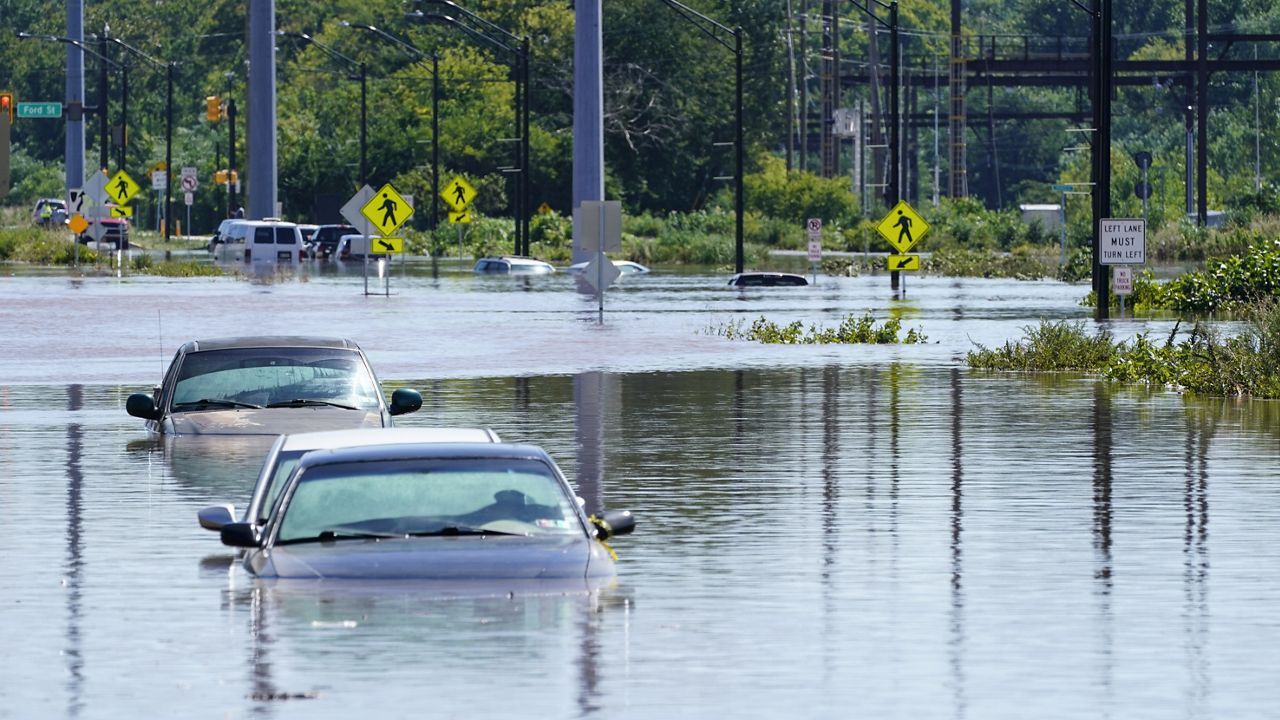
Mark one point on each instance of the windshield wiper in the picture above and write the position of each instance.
(455, 530)
(304, 402)
(331, 535)
(219, 403)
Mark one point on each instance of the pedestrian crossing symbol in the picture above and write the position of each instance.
(387, 210)
(902, 227)
(121, 188)
(458, 193)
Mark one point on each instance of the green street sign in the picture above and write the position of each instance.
(1063, 188)
(39, 109)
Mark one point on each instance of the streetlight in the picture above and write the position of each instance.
(101, 109)
(364, 179)
(710, 27)
(168, 133)
(519, 48)
(435, 108)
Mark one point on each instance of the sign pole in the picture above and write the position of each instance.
(601, 259)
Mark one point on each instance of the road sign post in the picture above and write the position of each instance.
(814, 227)
(902, 227)
(1122, 283)
(387, 210)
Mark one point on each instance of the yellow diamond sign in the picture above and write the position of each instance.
(121, 188)
(902, 227)
(458, 193)
(462, 217)
(387, 210)
(78, 224)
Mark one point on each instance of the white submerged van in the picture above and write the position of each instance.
(255, 242)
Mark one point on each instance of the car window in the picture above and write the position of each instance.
(285, 463)
(286, 236)
(262, 376)
(263, 235)
(427, 496)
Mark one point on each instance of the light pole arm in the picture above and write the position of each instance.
(707, 25)
(327, 49)
(491, 26)
(405, 46)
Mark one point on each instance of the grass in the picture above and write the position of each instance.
(852, 330)
(1204, 362)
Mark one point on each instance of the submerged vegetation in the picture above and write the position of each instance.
(1204, 362)
(852, 330)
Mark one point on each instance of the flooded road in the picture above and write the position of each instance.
(825, 532)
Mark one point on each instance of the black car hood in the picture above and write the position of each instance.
(269, 421)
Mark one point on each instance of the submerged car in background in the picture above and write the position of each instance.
(625, 267)
(324, 241)
(289, 449)
(767, 279)
(429, 511)
(268, 386)
(513, 265)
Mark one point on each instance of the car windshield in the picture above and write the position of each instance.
(445, 497)
(274, 376)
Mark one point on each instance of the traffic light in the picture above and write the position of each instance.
(6, 110)
(213, 108)
(219, 177)
(6, 104)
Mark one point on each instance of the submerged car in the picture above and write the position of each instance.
(268, 386)
(767, 279)
(513, 265)
(625, 267)
(429, 511)
(289, 449)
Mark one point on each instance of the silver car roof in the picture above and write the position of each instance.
(362, 437)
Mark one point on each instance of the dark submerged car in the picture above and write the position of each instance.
(268, 386)
(430, 511)
(767, 279)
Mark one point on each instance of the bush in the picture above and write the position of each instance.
(1057, 345)
(852, 330)
(796, 196)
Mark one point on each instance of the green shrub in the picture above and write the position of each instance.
(1059, 345)
(852, 330)
(796, 196)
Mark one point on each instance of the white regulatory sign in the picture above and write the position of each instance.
(815, 251)
(1122, 280)
(1122, 241)
(815, 228)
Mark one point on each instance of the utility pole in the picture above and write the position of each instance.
(261, 129)
(75, 96)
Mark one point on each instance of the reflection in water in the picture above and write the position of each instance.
(1195, 552)
(591, 391)
(957, 553)
(1102, 514)
(75, 559)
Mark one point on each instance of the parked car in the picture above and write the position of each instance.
(115, 233)
(767, 279)
(57, 212)
(429, 511)
(256, 242)
(289, 449)
(220, 235)
(268, 386)
(626, 267)
(326, 237)
(513, 265)
(308, 238)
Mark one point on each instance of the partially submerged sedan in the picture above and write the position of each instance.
(289, 449)
(268, 386)
(429, 511)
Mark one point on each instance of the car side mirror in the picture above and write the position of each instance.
(611, 523)
(143, 406)
(240, 534)
(405, 401)
(216, 517)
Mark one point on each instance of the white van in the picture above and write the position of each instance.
(268, 241)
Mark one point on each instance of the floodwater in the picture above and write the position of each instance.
(825, 532)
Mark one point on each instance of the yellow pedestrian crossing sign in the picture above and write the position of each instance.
(904, 262)
(902, 227)
(121, 211)
(387, 210)
(461, 217)
(121, 188)
(458, 193)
